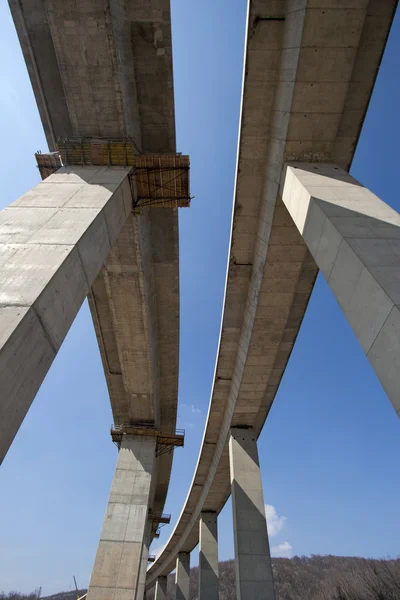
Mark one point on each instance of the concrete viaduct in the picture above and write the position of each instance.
(99, 227)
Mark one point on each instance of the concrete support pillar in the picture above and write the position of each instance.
(208, 557)
(118, 562)
(354, 238)
(161, 588)
(53, 242)
(182, 576)
(140, 591)
(254, 580)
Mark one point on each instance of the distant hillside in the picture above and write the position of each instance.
(298, 578)
(315, 578)
(65, 595)
(34, 596)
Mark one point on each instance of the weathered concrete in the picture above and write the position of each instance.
(307, 83)
(53, 242)
(254, 578)
(354, 238)
(100, 71)
(208, 557)
(106, 71)
(182, 576)
(140, 588)
(122, 543)
(161, 588)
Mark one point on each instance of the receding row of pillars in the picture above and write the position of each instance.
(253, 568)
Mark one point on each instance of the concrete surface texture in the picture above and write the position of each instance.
(117, 567)
(161, 588)
(307, 83)
(354, 238)
(208, 557)
(140, 587)
(309, 73)
(53, 242)
(253, 568)
(182, 576)
(120, 55)
(106, 71)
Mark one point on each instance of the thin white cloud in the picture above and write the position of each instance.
(284, 550)
(274, 521)
(193, 408)
(156, 549)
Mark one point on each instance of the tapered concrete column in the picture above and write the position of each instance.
(53, 242)
(254, 580)
(208, 557)
(182, 576)
(354, 238)
(118, 561)
(161, 588)
(140, 591)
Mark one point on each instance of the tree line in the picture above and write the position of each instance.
(314, 578)
(298, 578)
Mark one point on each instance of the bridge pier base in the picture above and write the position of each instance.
(354, 238)
(161, 588)
(182, 576)
(123, 540)
(208, 557)
(254, 578)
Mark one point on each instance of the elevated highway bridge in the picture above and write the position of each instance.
(309, 72)
(104, 72)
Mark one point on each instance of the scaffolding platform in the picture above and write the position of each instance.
(157, 522)
(157, 180)
(165, 440)
(48, 163)
(163, 519)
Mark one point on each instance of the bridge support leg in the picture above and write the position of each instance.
(53, 242)
(140, 590)
(161, 588)
(208, 558)
(254, 579)
(182, 576)
(354, 238)
(118, 560)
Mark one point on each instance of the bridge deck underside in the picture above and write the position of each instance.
(105, 71)
(307, 83)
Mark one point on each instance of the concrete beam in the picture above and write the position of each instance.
(182, 576)
(122, 543)
(161, 588)
(208, 557)
(53, 242)
(254, 578)
(354, 238)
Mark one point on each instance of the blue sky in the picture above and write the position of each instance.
(329, 450)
